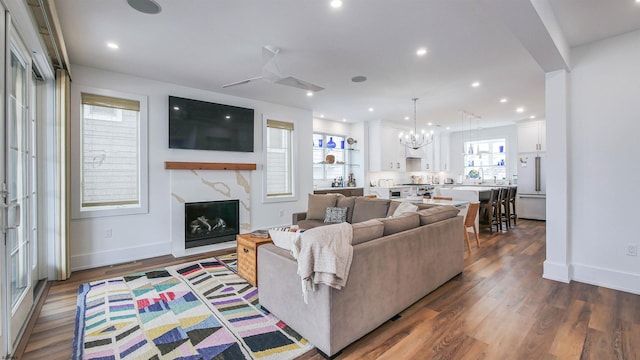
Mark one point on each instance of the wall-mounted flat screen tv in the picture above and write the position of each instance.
(202, 125)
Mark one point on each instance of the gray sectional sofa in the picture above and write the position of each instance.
(396, 261)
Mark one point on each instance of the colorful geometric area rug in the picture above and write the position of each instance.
(197, 310)
(230, 261)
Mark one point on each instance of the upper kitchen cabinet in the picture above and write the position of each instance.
(385, 151)
(532, 136)
(442, 151)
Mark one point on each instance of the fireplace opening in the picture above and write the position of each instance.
(211, 222)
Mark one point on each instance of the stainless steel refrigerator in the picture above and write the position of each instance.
(531, 200)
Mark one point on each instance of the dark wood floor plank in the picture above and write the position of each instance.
(500, 307)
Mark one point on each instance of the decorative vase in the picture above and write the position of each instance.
(470, 149)
(319, 142)
(331, 144)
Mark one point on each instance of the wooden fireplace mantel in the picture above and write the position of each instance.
(182, 165)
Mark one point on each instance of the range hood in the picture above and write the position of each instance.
(414, 164)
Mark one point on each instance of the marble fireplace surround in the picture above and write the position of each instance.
(196, 182)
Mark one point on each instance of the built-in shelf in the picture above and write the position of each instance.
(181, 165)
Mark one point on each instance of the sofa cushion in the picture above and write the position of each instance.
(310, 224)
(367, 230)
(437, 213)
(392, 208)
(367, 209)
(400, 223)
(348, 202)
(425, 206)
(335, 215)
(318, 205)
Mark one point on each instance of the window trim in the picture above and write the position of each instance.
(294, 162)
(77, 212)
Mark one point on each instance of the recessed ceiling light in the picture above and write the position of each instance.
(227, 117)
(406, 118)
(309, 93)
(448, 128)
(370, 109)
(475, 83)
(429, 124)
(520, 109)
(421, 52)
(344, 120)
(336, 4)
(532, 117)
(503, 100)
(145, 6)
(322, 115)
(176, 108)
(359, 78)
(112, 45)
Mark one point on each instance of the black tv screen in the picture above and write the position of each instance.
(202, 125)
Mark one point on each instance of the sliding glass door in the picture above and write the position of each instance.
(4, 308)
(18, 188)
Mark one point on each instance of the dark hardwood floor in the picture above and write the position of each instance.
(500, 307)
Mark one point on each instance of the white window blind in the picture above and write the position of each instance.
(110, 155)
(279, 172)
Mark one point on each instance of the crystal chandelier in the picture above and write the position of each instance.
(414, 140)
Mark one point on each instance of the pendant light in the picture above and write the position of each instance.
(414, 140)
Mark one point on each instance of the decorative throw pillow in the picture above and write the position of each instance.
(335, 215)
(404, 207)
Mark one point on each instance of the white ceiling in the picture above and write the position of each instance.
(205, 44)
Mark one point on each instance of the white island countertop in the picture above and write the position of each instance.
(456, 203)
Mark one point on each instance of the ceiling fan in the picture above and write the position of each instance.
(271, 73)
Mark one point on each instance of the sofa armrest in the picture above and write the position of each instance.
(295, 217)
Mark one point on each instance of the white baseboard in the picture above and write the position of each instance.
(608, 278)
(556, 271)
(118, 256)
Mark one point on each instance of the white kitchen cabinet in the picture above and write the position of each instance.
(428, 161)
(442, 152)
(385, 151)
(532, 136)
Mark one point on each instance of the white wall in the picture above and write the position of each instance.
(146, 235)
(604, 127)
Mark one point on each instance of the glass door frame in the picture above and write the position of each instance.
(19, 310)
(4, 308)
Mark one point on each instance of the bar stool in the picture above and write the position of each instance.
(490, 210)
(503, 203)
(511, 205)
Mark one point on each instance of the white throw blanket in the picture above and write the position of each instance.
(324, 256)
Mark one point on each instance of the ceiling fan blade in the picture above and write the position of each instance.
(242, 82)
(300, 84)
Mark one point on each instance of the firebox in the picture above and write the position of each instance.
(211, 222)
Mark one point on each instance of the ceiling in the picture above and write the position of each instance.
(205, 44)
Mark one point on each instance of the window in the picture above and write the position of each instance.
(279, 182)
(112, 154)
(484, 160)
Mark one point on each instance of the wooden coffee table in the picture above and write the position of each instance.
(247, 249)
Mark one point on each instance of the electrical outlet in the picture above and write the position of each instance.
(108, 233)
(632, 249)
